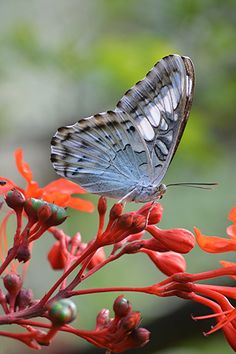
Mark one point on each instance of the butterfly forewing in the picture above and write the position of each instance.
(127, 151)
(105, 153)
(160, 106)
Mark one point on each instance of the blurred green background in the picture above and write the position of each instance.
(61, 60)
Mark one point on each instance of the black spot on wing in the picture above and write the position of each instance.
(131, 129)
(159, 154)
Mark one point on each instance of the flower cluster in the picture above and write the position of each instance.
(39, 211)
(120, 333)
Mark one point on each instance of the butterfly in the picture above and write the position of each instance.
(124, 153)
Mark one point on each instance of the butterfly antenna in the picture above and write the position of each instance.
(199, 185)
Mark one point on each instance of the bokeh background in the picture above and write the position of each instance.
(61, 60)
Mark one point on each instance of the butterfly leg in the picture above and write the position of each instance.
(149, 212)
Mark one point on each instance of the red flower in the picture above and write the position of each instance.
(169, 263)
(177, 240)
(216, 244)
(58, 192)
(56, 257)
(117, 334)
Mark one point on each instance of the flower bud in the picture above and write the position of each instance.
(59, 215)
(130, 238)
(62, 311)
(97, 258)
(153, 211)
(140, 337)
(31, 207)
(135, 237)
(121, 306)
(133, 247)
(44, 213)
(102, 320)
(102, 205)
(23, 253)
(139, 223)
(12, 283)
(130, 322)
(169, 263)
(136, 339)
(116, 211)
(2, 297)
(154, 245)
(56, 257)
(24, 298)
(75, 242)
(15, 200)
(177, 240)
(125, 221)
(4, 301)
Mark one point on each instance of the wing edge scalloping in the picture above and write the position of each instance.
(152, 79)
(175, 62)
(189, 68)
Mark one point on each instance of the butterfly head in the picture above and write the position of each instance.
(161, 189)
(144, 194)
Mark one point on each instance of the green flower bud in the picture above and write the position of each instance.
(62, 311)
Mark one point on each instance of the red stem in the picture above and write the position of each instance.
(92, 248)
(213, 273)
(146, 290)
(10, 256)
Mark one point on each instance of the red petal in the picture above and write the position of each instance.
(22, 166)
(59, 199)
(232, 214)
(80, 204)
(33, 190)
(231, 231)
(64, 186)
(228, 264)
(65, 200)
(214, 244)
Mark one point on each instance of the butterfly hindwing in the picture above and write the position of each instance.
(160, 106)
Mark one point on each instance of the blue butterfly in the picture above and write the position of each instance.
(125, 153)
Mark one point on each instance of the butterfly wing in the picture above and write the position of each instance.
(160, 106)
(105, 153)
(113, 152)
